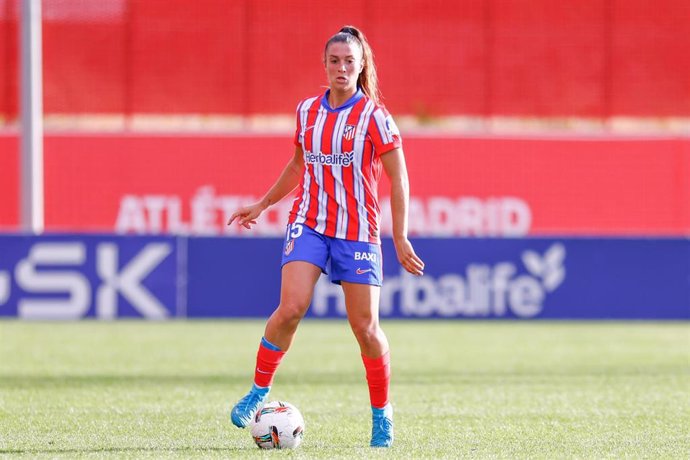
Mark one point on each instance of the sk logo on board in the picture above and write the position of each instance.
(289, 246)
(349, 132)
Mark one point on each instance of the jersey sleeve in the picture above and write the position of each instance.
(298, 130)
(383, 132)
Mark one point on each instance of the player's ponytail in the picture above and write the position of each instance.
(367, 79)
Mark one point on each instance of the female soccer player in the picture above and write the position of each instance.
(343, 139)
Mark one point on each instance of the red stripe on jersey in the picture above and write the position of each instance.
(371, 194)
(298, 200)
(383, 142)
(303, 198)
(328, 180)
(313, 209)
(313, 192)
(308, 128)
(384, 138)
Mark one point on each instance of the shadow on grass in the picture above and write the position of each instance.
(330, 379)
(63, 381)
(129, 450)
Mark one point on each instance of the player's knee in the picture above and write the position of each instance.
(291, 311)
(366, 331)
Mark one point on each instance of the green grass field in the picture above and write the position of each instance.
(460, 389)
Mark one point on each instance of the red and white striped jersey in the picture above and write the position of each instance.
(337, 195)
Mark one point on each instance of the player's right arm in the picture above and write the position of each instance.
(287, 181)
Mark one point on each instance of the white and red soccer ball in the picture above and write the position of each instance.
(277, 425)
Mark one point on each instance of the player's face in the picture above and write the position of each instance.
(343, 66)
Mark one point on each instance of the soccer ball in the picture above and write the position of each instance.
(277, 425)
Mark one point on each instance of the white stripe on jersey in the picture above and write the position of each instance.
(303, 114)
(357, 170)
(304, 206)
(337, 170)
(380, 120)
(318, 170)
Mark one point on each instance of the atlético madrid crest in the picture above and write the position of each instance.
(289, 246)
(349, 132)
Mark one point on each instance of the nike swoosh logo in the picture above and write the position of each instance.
(261, 372)
(359, 271)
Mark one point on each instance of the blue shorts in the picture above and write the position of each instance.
(342, 260)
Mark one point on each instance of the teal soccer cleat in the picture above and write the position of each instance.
(382, 426)
(245, 409)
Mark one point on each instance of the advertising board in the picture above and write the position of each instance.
(108, 277)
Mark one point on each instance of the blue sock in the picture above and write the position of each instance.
(382, 412)
(269, 345)
(260, 390)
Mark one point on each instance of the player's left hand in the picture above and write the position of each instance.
(408, 258)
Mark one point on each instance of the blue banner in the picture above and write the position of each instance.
(238, 277)
(78, 276)
(107, 277)
(466, 278)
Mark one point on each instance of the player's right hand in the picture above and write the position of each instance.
(247, 215)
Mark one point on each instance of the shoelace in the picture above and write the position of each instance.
(384, 423)
(250, 400)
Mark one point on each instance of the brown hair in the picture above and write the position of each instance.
(367, 79)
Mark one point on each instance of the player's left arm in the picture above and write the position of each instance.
(396, 170)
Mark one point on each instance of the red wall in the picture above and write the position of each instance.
(591, 58)
(8, 59)
(614, 186)
(9, 182)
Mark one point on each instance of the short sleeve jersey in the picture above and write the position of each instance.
(337, 195)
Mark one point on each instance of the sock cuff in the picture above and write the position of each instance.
(381, 361)
(260, 390)
(385, 410)
(269, 345)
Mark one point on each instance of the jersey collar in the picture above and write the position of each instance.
(349, 103)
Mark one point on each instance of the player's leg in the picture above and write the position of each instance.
(298, 280)
(362, 304)
(357, 266)
(297, 287)
(303, 261)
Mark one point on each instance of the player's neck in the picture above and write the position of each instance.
(338, 98)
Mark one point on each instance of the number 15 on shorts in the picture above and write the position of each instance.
(293, 231)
